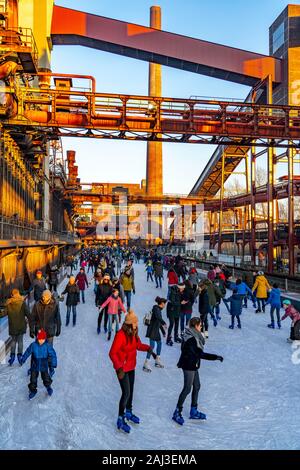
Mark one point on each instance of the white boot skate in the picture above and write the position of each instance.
(158, 363)
(146, 366)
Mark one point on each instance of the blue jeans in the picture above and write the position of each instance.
(277, 313)
(261, 303)
(217, 309)
(113, 318)
(186, 317)
(158, 281)
(82, 296)
(128, 297)
(149, 276)
(69, 308)
(158, 347)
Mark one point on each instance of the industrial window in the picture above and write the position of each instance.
(278, 37)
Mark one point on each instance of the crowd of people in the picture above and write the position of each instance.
(109, 273)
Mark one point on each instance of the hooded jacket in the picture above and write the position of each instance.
(292, 313)
(47, 317)
(261, 285)
(42, 356)
(274, 298)
(16, 310)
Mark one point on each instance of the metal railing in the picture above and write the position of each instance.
(20, 40)
(15, 229)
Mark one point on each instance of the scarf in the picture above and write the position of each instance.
(193, 333)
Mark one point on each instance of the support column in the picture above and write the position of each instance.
(270, 190)
(154, 149)
(291, 212)
(252, 206)
(221, 204)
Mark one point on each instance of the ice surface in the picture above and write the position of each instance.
(251, 399)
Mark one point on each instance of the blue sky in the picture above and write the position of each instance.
(233, 22)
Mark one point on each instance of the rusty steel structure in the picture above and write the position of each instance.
(39, 107)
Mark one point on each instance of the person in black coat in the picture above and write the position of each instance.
(45, 315)
(235, 309)
(104, 290)
(157, 324)
(204, 307)
(73, 298)
(187, 302)
(173, 314)
(190, 361)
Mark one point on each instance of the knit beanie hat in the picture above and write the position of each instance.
(286, 302)
(131, 318)
(42, 334)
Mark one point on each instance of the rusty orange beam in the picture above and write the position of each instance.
(72, 27)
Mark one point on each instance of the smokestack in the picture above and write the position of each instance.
(154, 174)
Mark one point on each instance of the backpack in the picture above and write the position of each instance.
(147, 318)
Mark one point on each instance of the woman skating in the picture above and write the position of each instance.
(157, 324)
(123, 356)
(73, 298)
(190, 361)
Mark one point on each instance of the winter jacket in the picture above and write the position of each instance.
(38, 287)
(292, 313)
(212, 291)
(114, 305)
(242, 289)
(156, 324)
(236, 304)
(81, 281)
(158, 269)
(121, 290)
(191, 355)
(124, 349)
(274, 298)
(104, 290)
(53, 277)
(193, 276)
(127, 282)
(219, 292)
(72, 291)
(262, 286)
(42, 356)
(188, 296)
(149, 269)
(172, 277)
(46, 316)
(16, 310)
(204, 305)
(174, 304)
(211, 275)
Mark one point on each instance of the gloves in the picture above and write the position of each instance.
(220, 358)
(58, 331)
(133, 291)
(51, 371)
(31, 334)
(120, 373)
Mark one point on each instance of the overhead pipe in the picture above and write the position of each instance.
(70, 75)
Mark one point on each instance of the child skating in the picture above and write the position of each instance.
(43, 360)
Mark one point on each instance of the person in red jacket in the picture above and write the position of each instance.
(123, 356)
(172, 280)
(81, 281)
